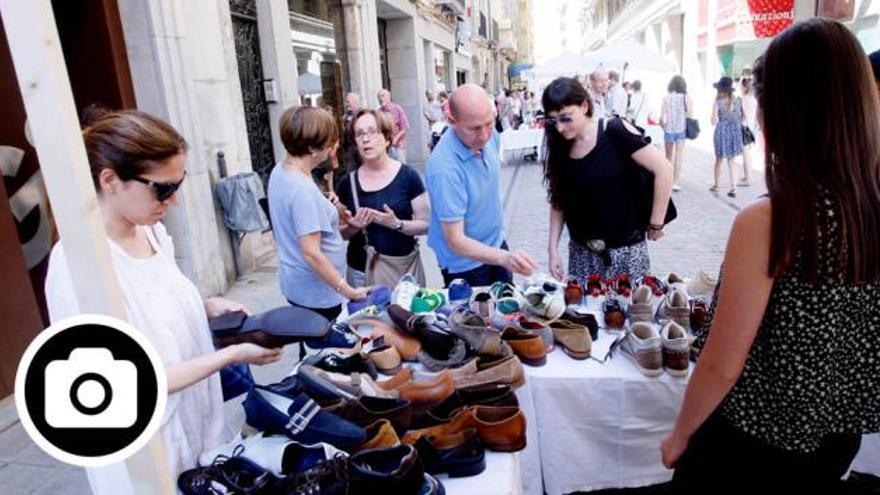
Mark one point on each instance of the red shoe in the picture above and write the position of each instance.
(595, 286)
(574, 291)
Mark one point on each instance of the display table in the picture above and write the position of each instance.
(868, 458)
(595, 425)
(522, 139)
(501, 477)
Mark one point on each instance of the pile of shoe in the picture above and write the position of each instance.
(657, 316)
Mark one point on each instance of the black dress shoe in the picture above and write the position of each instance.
(274, 328)
(459, 454)
(488, 395)
(394, 471)
(236, 474)
(366, 410)
(337, 363)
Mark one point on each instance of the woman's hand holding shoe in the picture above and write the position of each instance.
(254, 354)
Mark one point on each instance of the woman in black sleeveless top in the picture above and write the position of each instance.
(592, 170)
(788, 376)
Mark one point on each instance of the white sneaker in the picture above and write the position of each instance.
(404, 292)
(676, 282)
(267, 452)
(676, 349)
(643, 346)
(546, 300)
(702, 285)
(642, 307)
(675, 307)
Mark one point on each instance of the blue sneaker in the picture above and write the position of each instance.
(339, 336)
(380, 296)
(299, 418)
(460, 291)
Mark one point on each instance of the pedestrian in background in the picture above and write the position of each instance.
(749, 129)
(618, 99)
(598, 91)
(787, 379)
(727, 117)
(676, 109)
(350, 157)
(311, 253)
(587, 157)
(386, 200)
(467, 222)
(401, 124)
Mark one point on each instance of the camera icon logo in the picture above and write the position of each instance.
(91, 390)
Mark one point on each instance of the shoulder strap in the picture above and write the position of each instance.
(354, 195)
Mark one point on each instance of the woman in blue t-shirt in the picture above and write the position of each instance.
(392, 206)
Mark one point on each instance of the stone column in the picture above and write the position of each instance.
(279, 64)
(405, 60)
(362, 49)
(161, 60)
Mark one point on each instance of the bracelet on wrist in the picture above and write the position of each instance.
(656, 227)
(340, 284)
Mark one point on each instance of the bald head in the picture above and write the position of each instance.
(471, 115)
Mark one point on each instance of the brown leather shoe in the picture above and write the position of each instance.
(505, 371)
(407, 345)
(427, 394)
(501, 428)
(574, 339)
(468, 368)
(385, 358)
(380, 435)
(527, 345)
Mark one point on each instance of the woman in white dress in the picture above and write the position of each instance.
(750, 109)
(137, 164)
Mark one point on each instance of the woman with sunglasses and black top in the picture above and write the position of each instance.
(137, 163)
(591, 168)
(788, 375)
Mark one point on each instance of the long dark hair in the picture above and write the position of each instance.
(821, 148)
(562, 92)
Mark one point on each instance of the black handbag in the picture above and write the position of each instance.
(645, 188)
(748, 135)
(691, 126)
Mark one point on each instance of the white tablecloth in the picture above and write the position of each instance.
(522, 139)
(593, 426)
(868, 458)
(501, 477)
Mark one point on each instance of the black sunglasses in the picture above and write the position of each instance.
(163, 190)
(565, 119)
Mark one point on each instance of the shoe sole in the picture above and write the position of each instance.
(575, 354)
(505, 447)
(677, 373)
(465, 469)
(390, 371)
(541, 361)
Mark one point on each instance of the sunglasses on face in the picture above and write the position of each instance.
(163, 190)
(563, 119)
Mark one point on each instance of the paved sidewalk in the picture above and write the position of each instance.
(695, 240)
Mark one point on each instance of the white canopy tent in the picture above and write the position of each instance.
(629, 55)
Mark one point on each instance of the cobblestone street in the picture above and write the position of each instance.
(695, 240)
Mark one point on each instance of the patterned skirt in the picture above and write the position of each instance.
(632, 260)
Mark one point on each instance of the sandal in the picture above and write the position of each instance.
(714, 188)
(732, 193)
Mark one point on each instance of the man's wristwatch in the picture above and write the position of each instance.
(399, 227)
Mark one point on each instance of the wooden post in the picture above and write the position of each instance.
(52, 118)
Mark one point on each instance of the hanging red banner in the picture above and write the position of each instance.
(769, 17)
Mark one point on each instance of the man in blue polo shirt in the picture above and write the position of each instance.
(467, 225)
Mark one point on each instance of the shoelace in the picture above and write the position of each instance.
(224, 472)
(308, 482)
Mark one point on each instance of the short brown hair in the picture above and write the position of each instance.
(386, 127)
(305, 129)
(129, 142)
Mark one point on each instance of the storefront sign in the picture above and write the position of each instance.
(740, 20)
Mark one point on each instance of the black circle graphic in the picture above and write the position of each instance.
(94, 377)
(129, 372)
